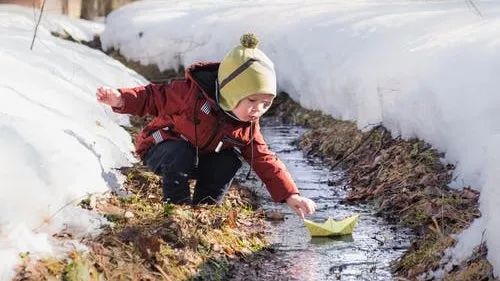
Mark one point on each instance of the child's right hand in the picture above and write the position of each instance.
(301, 205)
(109, 96)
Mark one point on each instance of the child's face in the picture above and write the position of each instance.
(253, 106)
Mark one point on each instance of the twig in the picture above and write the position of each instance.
(163, 274)
(482, 236)
(363, 141)
(473, 5)
(437, 227)
(37, 24)
(56, 212)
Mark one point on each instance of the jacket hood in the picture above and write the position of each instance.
(204, 75)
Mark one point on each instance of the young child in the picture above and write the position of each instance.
(202, 122)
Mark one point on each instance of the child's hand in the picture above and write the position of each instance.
(109, 96)
(301, 205)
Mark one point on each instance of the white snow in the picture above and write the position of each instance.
(423, 69)
(57, 143)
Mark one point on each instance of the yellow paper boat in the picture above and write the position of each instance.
(332, 227)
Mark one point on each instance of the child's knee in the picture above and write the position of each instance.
(175, 178)
(233, 161)
(170, 156)
(236, 163)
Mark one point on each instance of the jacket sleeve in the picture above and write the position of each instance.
(269, 168)
(142, 100)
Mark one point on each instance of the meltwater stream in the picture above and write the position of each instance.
(364, 255)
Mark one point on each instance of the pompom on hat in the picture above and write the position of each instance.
(244, 71)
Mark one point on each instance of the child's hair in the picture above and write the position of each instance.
(244, 71)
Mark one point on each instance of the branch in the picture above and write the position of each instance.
(37, 24)
(473, 5)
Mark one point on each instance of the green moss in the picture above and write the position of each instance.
(112, 217)
(79, 269)
(168, 209)
(426, 255)
(213, 269)
(415, 217)
(24, 255)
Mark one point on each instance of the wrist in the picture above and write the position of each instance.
(292, 197)
(119, 102)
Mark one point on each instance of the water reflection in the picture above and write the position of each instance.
(323, 241)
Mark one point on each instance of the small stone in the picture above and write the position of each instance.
(448, 267)
(275, 216)
(129, 215)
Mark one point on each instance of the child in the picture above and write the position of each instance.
(202, 122)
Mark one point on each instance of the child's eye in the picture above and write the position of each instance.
(267, 104)
(251, 100)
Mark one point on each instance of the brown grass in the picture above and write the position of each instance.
(152, 241)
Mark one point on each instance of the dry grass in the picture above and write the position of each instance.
(476, 268)
(152, 241)
(150, 71)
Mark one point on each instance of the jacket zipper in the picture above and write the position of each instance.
(213, 134)
(232, 141)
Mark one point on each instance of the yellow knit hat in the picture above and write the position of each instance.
(244, 71)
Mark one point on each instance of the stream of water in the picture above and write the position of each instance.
(364, 255)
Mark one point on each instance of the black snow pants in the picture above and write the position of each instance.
(174, 162)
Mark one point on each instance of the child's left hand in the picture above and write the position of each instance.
(301, 205)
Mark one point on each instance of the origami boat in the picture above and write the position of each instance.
(332, 227)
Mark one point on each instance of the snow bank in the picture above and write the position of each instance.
(424, 69)
(57, 144)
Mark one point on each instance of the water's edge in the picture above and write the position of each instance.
(365, 255)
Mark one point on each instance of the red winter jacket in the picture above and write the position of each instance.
(186, 109)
